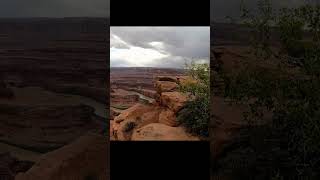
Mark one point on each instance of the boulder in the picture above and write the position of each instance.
(115, 126)
(173, 100)
(137, 117)
(133, 112)
(149, 117)
(165, 86)
(161, 132)
(168, 118)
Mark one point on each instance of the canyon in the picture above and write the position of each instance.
(53, 94)
(144, 104)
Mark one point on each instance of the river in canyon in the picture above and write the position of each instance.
(143, 97)
(38, 96)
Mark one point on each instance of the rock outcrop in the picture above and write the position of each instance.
(166, 86)
(173, 100)
(161, 132)
(153, 121)
(168, 117)
(138, 115)
(85, 158)
(113, 113)
(133, 113)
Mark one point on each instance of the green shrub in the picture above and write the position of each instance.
(195, 114)
(129, 126)
(293, 98)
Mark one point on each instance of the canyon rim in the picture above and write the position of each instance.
(155, 81)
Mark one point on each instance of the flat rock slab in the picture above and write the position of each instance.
(162, 132)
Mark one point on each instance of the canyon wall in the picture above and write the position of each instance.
(156, 120)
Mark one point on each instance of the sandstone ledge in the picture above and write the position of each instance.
(87, 156)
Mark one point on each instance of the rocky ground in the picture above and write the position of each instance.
(53, 77)
(155, 120)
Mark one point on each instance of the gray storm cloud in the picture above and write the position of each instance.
(55, 8)
(178, 41)
(159, 46)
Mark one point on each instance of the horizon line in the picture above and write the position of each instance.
(146, 67)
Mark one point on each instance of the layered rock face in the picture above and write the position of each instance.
(135, 84)
(139, 78)
(153, 121)
(123, 99)
(85, 158)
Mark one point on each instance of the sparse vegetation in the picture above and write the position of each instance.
(290, 92)
(129, 126)
(195, 115)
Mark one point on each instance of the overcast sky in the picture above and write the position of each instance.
(222, 8)
(158, 46)
(54, 8)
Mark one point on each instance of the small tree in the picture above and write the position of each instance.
(291, 93)
(195, 115)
